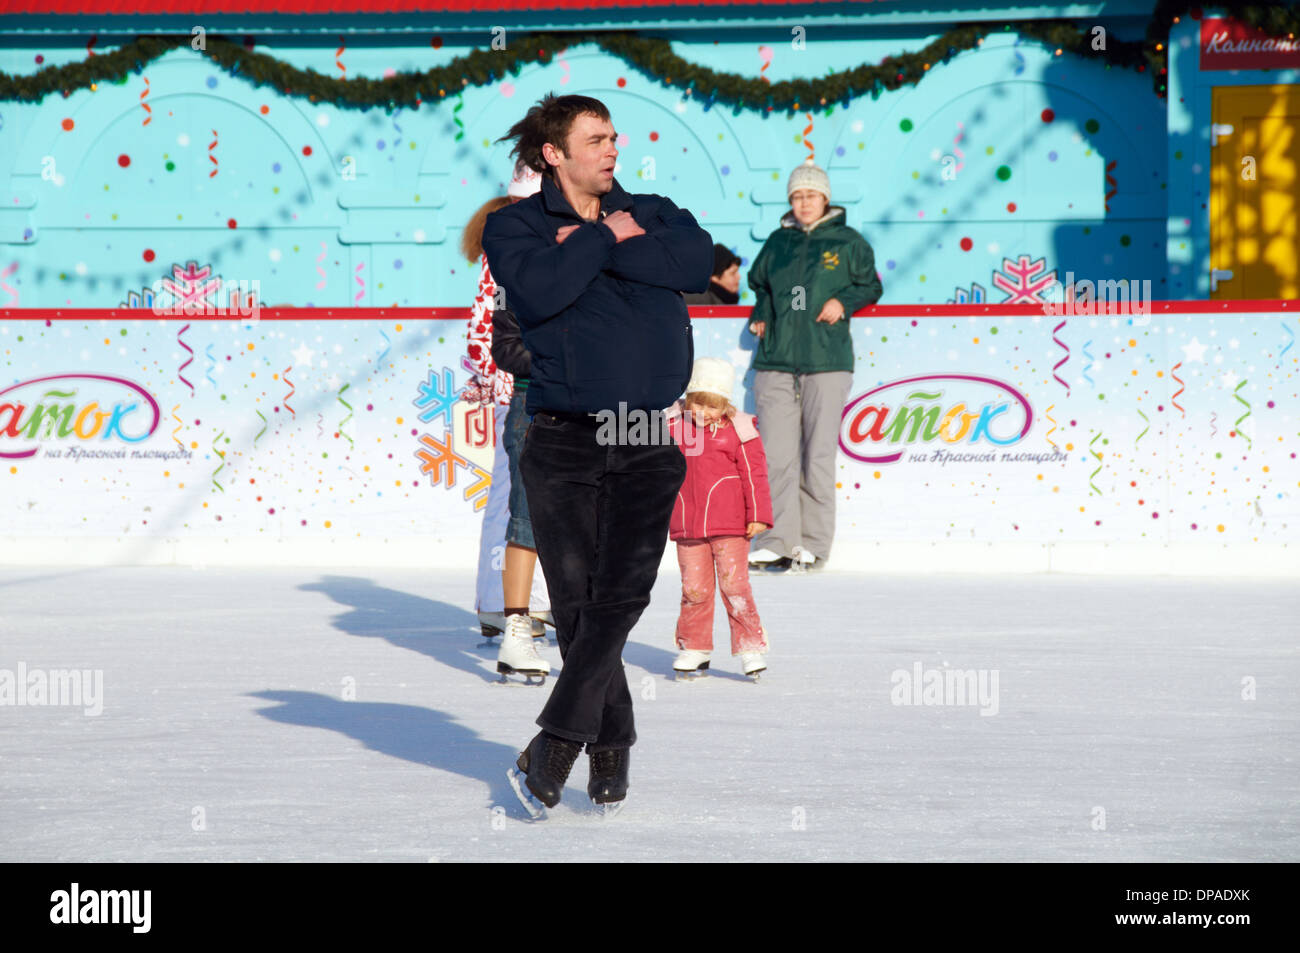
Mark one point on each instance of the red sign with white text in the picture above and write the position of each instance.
(1230, 44)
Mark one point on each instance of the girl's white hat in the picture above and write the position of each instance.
(809, 176)
(712, 375)
(526, 182)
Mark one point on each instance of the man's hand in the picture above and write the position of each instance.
(831, 311)
(564, 233)
(757, 328)
(623, 225)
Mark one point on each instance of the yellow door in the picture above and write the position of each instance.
(1255, 192)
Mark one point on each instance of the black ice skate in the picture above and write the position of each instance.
(607, 783)
(542, 769)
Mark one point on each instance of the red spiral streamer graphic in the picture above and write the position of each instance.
(285, 375)
(188, 361)
(1061, 363)
(807, 129)
(212, 145)
(1173, 372)
(1110, 181)
(338, 61)
(145, 106)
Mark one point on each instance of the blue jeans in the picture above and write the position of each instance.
(600, 517)
(519, 530)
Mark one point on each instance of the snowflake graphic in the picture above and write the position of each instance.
(141, 299)
(1022, 281)
(439, 460)
(478, 490)
(192, 289)
(437, 401)
(976, 295)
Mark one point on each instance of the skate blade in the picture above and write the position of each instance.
(694, 676)
(753, 676)
(505, 670)
(529, 679)
(535, 808)
(610, 810)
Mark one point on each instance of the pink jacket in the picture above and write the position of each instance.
(726, 478)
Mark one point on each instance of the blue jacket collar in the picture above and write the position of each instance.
(556, 204)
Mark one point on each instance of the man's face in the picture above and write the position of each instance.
(730, 279)
(587, 164)
(808, 205)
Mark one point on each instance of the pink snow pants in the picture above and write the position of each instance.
(729, 557)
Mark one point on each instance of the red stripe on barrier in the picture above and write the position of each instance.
(696, 312)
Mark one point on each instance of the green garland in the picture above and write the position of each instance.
(653, 56)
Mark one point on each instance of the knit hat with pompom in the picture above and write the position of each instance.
(809, 176)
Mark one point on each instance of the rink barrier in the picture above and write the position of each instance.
(976, 438)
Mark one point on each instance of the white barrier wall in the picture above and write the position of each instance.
(972, 441)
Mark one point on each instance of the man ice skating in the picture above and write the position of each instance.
(594, 275)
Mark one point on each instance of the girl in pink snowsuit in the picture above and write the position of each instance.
(723, 503)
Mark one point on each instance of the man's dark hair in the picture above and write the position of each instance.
(549, 121)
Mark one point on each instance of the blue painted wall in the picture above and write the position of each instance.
(80, 228)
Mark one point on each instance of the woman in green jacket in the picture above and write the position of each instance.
(811, 274)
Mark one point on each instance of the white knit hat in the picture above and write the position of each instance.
(712, 375)
(526, 182)
(809, 176)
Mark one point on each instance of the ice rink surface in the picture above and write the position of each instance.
(1134, 719)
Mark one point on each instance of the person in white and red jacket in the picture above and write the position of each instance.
(723, 503)
(507, 586)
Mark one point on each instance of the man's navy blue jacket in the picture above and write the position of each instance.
(604, 320)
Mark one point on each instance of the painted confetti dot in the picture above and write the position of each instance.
(1125, 240)
(621, 82)
(1048, 115)
(124, 160)
(967, 244)
(1004, 172)
(1092, 125)
(67, 124)
(1011, 206)
(306, 150)
(148, 254)
(654, 136)
(230, 223)
(1051, 156)
(905, 125)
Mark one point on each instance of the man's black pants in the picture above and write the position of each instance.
(600, 520)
